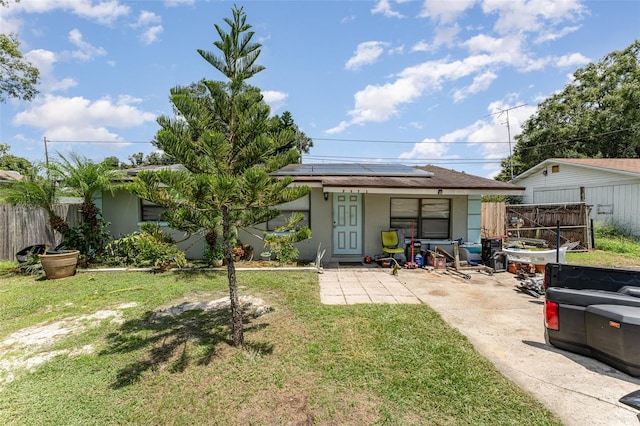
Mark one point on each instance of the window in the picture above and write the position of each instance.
(301, 205)
(150, 212)
(429, 217)
(555, 169)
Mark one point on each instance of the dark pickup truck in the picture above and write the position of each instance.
(594, 312)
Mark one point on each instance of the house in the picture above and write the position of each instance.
(350, 204)
(610, 185)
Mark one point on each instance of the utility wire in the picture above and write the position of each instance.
(381, 141)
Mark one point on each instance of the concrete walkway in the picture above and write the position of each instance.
(363, 285)
(506, 327)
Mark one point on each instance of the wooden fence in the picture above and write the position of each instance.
(493, 219)
(539, 222)
(22, 226)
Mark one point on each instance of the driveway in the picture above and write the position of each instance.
(506, 327)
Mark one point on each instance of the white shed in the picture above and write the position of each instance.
(610, 185)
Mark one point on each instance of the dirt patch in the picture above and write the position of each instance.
(439, 293)
(26, 349)
(30, 347)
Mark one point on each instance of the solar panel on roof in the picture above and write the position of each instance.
(353, 169)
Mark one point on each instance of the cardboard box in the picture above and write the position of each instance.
(437, 262)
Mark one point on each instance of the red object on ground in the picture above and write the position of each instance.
(411, 264)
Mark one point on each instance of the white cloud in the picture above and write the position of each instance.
(378, 103)
(480, 83)
(445, 11)
(572, 60)
(347, 19)
(366, 53)
(176, 3)
(151, 34)
(275, 99)
(86, 51)
(489, 136)
(9, 25)
(421, 46)
(147, 18)
(445, 35)
(149, 24)
(532, 15)
(384, 7)
(104, 12)
(77, 118)
(555, 34)
(44, 60)
(428, 149)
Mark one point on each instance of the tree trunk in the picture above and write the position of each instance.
(236, 310)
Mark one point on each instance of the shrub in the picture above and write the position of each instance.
(149, 248)
(281, 242)
(89, 240)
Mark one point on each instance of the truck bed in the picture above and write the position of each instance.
(595, 312)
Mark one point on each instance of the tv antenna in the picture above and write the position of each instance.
(508, 123)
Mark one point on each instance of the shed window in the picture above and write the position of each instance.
(555, 169)
(429, 217)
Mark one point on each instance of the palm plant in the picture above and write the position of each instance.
(84, 178)
(37, 191)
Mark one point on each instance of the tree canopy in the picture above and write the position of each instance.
(594, 116)
(18, 78)
(222, 137)
(13, 162)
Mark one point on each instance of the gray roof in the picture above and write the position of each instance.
(627, 166)
(423, 177)
(352, 169)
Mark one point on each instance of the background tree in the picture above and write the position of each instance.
(222, 138)
(154, 159)
(595, 116)
(12, 162)
(300, 140)
(18, 78)
(113, 162)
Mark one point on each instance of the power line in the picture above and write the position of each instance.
(404, 160)
(381, 141)
(402, 142)
(110, 142)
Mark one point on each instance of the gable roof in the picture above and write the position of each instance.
(421, 179)
(626, 166)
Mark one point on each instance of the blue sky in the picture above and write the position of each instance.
(417, 82)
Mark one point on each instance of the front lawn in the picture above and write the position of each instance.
(101, 354)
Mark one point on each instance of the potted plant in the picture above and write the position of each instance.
(59, 264)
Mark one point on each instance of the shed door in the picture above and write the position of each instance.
(347, 223)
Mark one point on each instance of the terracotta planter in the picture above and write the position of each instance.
(59, 264)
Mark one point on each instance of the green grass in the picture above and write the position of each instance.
(614, 248)
(303, 363)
